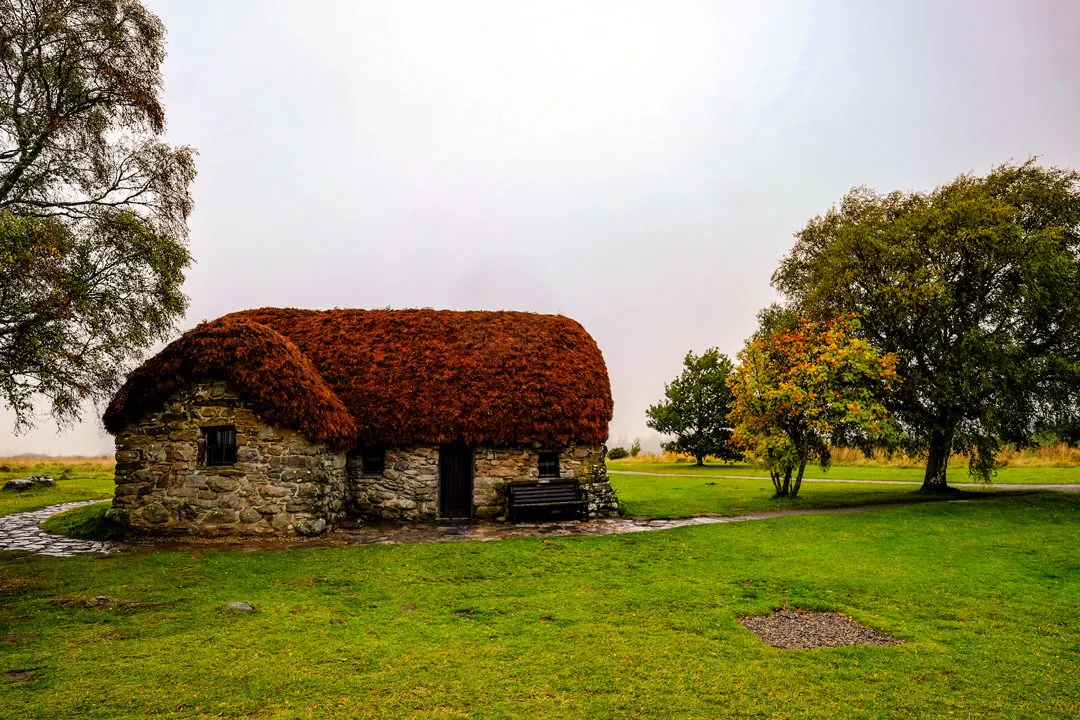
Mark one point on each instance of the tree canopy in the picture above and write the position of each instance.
(796, 391)
(93, 203)
(975, 287)
(695, 408)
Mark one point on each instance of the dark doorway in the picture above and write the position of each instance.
(455, 482)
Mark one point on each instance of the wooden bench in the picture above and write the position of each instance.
(550, 495)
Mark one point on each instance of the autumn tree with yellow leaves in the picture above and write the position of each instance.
(800, 389)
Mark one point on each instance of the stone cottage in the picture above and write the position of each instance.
(283, 420)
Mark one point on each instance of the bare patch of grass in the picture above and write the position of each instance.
(801, 629)
(104, 602)
(21, 676)
(16, 584)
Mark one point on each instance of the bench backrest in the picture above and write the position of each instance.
(544, 492)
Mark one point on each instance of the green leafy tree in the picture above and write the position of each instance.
(635, 449)
(975, 287)
(696, 407)
(93, 204)
(797, 390)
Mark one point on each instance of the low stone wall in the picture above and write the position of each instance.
(408, 487)
(280, 483)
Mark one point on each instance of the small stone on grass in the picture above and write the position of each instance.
(29, 483)
(241, 606)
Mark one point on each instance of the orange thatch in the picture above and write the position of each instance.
(406, 376)
(265, 369)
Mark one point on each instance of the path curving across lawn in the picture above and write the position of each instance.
(22, 531)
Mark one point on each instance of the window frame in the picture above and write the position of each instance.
(217, 453)
(540, 465)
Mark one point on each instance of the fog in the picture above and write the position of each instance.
(638, 166)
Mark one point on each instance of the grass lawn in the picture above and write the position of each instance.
(86, 523)
(983, 593)
(687, 496)
(1008, 475)
(74, 481)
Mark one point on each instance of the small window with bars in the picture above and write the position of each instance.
(220, 445)
(373, 460)
(549, 464)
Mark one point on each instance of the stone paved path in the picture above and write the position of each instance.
(22, 531)
(392, 534)
(1069, 488)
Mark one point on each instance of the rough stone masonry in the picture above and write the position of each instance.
(282, 483)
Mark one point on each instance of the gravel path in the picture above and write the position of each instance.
(22, 531)
(1069, 488)
(392, 534)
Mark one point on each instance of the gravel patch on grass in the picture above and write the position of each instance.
(805, 629)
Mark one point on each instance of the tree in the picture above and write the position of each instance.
(696, 408)
(975, 287)
(797, 390)
(93, 204)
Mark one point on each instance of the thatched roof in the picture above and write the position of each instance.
(393, 377)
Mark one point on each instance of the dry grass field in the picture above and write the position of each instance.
(29, 462)
(1058, 455)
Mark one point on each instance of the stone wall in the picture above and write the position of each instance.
(280, 483)
(408, 487)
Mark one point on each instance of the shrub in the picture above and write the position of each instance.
(618, 453)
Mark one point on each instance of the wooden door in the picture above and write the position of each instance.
(456, 482)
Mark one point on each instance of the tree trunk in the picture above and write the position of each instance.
(776, 481)
(938, 461)
(798, 480)
(787, 482)
(700, 459)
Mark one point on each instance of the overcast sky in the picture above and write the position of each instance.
(639, 166)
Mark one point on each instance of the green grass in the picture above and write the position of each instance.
(1008, 475)
(86, 481)
(86, 523)
(983, 593)
(687, 495)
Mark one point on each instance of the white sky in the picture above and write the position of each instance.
(637, 165)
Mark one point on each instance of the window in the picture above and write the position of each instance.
(549, 464)
(220, 445)
(373, 460)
